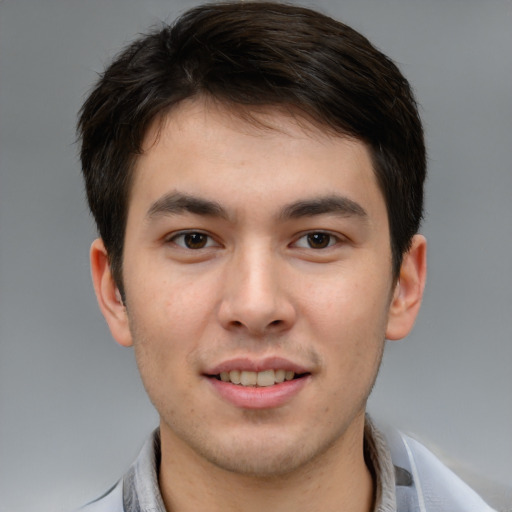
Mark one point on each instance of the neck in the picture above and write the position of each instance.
(336, 480)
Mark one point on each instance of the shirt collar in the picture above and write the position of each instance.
(378, 460)
(141, 492)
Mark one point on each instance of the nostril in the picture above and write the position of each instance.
(276, 323)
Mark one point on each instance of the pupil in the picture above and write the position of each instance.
(318, 240)
(195, 240)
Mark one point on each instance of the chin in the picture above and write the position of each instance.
(266, 461)
(263, 454)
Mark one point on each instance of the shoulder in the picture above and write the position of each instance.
(138, 488)
(437, 487)
(111, 501)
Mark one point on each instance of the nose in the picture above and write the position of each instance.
(255, 298)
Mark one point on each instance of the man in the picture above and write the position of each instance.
(256, 174)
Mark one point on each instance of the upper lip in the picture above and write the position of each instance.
(257, 365)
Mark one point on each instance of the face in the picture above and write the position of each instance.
(258, 280)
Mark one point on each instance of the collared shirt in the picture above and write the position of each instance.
(407, 477)
(141, 492)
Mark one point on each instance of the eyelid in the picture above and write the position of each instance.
(171, 238)
(336, 238)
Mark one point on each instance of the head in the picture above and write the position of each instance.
(256, 174)
(246, 56)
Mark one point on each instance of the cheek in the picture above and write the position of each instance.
(172, 301)
(351, 305)
(170, 314)
(165, 335)
(349, 319)
(161, 369)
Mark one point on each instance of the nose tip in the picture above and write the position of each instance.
(256, 301)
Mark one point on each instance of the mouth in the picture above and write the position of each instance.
(252, 383)
(265, 378)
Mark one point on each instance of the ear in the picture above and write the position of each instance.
(408, 293)
(107, 293)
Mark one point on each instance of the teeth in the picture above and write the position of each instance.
(234, 376)
(266, 378)
(279, 374)
(248, 378)
(261, 379)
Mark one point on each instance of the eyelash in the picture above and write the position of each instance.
(184, 234)
(332, 240)
(207, 239)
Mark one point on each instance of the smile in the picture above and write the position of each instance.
(266, 389)
(264, 378)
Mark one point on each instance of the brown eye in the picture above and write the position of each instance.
(319, 240)
(193, 240)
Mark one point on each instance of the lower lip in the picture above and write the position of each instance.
(268, 397)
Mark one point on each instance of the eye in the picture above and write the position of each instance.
(193, 240)
(316, 240)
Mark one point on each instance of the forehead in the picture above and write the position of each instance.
(251, 120)
(202, 144)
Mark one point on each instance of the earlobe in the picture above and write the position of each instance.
(408, 292)
(108, 295)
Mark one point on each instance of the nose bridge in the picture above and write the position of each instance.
(254, 296)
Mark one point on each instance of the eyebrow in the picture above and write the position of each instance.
(176, 203)
(332, 204)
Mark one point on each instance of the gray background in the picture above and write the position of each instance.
(73, 413)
